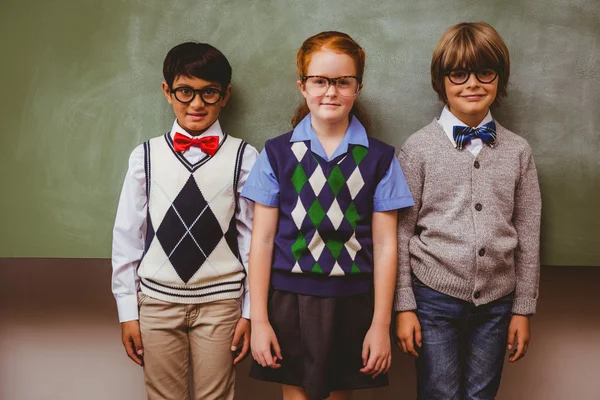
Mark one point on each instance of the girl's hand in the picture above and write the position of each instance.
(518, 336)
(377, 351)
(264, 344)
(408, 332)
(242, 330)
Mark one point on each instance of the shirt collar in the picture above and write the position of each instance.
(355, 134)
(213, 130)
(448, 121)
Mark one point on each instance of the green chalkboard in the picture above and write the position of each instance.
(81, 88)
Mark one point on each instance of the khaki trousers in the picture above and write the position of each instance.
(180, 339)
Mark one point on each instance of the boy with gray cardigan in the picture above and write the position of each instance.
(469, 249)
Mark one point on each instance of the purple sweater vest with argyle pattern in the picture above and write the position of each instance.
(324, 244)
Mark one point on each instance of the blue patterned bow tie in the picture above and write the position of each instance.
(464, 134)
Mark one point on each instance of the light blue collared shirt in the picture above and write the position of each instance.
(391, 193)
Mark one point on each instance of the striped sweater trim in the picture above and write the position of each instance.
(147, 167)
(193, 295)
(236, 173)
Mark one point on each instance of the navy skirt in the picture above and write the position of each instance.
(321, 342)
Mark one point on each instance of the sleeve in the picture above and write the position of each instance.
(262, 185)
(392, 192)
(407, 223)
(244, 218)
(129, 236)
(527, 220)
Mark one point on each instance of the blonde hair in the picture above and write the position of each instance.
(340, 43)
(472, 45)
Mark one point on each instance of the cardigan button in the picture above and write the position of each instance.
(481, 252)
(477, 165)
(476, 295)
(478, 207)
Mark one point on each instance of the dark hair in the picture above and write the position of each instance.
(197, 60)
(341, 43)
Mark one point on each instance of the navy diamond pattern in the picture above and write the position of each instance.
(189, 232)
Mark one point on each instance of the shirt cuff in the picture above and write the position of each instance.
(259, 196)
(127, 305)
(405, 300)
(392, 203)
(524, 306)
(246, 305)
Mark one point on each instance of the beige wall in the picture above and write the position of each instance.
(59, 339)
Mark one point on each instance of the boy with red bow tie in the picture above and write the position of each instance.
(469, 249)
(182, 236)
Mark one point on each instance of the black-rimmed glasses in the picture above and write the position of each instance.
(459, 76)
(316, 85)
(186, 94)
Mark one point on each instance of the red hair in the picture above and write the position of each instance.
(340, 43)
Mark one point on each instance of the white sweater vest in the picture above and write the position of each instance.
(191, 254)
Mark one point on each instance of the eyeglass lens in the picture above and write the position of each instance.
(459, 76)
(318, 85)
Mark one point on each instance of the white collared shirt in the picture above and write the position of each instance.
(130, 223)
(448, 120)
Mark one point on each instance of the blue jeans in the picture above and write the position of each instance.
(463, 346)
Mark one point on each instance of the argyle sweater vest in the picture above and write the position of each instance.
(324, 245)
(191, 254)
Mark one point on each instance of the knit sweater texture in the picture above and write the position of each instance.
(474, 231)
(324, 245)
(191, 254)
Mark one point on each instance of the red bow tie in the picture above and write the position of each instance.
(208, 144)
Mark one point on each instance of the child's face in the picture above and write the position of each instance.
(330, 107)
(196, 116)
(471, 101)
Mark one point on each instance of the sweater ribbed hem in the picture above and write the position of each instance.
(439, 279)
(524, 306)
(405, 300)
(323, 286)
(193, 295)
(449, 284)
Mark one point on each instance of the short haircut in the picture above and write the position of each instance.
(472, 45)
(197, 60)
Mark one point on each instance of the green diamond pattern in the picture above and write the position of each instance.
(359, 153)
(335, 247)
(336, 180)
(352, 215)
(316, 213)
(317, 269)
(299, 178)
(299, 246)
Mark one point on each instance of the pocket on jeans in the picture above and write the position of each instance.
(417, 282)
(141, 297)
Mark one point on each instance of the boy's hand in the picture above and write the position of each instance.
(408, 332)
(263, 344)
(518, 337)
(377, 351)
(242, 329)
(132, 340)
